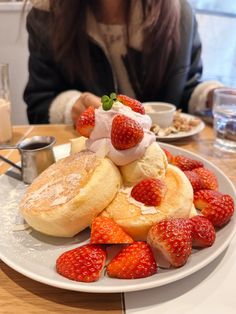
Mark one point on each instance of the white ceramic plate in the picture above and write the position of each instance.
(33, 254)
(176, 136)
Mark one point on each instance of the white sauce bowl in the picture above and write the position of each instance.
(161, 113)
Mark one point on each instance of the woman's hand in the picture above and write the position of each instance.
(82, 103)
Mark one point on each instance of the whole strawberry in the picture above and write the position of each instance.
(105, 230)
(84, 263)
(86, 122)
(203, 232)
(134, 261)
(195, 180)
(186, 163)
(149, 191)
(216, 207)
(134, 104)
(125, 132)
(171, 241)
(202, 178)
(208, 178)
(220, 210)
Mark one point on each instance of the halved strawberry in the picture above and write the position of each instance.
(105, 230)
(216, 207)
(84, 263)
(134, 104)
(208, 178)
(171, 241)
(134, 261)
(170, 157)
(149, 191)
(125, 132)
(203, 232)
(86, 122)
(203, 197)
(186, 163)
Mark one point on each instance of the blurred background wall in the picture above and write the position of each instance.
(13, 50)
(217, 24)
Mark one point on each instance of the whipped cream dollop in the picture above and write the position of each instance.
(99, 141)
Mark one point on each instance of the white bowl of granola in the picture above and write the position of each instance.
(161, 113)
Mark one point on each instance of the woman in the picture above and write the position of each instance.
(80, 50)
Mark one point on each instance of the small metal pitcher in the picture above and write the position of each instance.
(36, 155)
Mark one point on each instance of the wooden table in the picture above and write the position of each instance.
(19, 294)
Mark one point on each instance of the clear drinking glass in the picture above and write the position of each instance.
(224, 113)
(5, 105)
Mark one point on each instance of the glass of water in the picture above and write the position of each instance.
(224, 113)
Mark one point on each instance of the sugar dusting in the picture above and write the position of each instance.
(20, 243)
(145, 210)
(59, 201)
(54, 191)
(29, 249)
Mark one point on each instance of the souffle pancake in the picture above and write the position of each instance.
(136, 218)
(66, 197)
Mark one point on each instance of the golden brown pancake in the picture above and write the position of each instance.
(66, 197)
(136, 218)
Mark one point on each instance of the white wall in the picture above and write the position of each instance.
(223, 6)
(13, 50)
(218, 47)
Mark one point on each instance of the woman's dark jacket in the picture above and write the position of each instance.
(47, 78)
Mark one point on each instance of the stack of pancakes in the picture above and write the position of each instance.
(67, 196)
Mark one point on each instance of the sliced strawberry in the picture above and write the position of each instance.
(203, 232)
(203, 197)
(169, 156)
(208, 178)
(186, 163)
(84, 263)
(134, 104)
(105, 230)
(86, 122)
(149, 191)
(125, 132)
(215, 206)
(219, 210)
(134, 261)
(171, 241)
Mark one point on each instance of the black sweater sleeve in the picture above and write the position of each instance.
(45, 80)
(187, 69)
(195, 69)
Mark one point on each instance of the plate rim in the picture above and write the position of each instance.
(134, 285)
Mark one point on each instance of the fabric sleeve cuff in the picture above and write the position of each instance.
(43, 5)
(198, 98)
(60, 109)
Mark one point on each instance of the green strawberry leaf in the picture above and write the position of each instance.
(113, 96)
(107, 102)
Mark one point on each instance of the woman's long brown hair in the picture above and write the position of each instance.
(160, 42)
